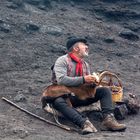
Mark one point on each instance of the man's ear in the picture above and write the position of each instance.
(76, 48)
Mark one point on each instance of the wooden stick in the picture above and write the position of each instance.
(38, 117)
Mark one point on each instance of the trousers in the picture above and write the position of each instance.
(102, 94)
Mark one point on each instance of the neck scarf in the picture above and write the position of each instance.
(79, 68)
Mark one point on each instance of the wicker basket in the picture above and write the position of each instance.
(117, 93)
(112, 81)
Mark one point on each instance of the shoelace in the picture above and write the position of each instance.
(111, 118)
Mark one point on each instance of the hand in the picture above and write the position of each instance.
(90, 79)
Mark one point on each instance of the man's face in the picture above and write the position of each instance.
(83, 49)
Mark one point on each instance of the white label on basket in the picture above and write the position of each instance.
(96, 76)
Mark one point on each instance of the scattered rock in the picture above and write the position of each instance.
(128, 34)
(35, 66)
(1, 21)
(119, 54)
(33, 91)
(4, 27)
(115, 14)
(20, 131)
(52, 30)
(20, 98)
(133, 27)
(58, 48)
(25, 59)
(16, 4)
(33, 2)
(44, 4)
(41, 4)
(31, 27)
(109, 40)
(64, 9)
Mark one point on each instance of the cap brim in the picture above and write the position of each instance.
(73, 41)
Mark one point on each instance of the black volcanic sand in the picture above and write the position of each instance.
(33, 34)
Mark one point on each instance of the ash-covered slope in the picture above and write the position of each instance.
(33, 34)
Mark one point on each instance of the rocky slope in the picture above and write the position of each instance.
(33, 34)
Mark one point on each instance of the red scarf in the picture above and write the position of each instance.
(79, 68)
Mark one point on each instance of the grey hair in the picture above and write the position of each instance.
(71, 49)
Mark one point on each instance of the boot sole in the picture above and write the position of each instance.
(86, 133)
(119, 130)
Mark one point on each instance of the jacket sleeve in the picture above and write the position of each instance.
(60, 69)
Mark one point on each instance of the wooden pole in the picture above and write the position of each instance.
(38, 117)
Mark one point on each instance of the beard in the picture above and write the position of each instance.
(83, 54)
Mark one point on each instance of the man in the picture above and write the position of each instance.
(72, 70)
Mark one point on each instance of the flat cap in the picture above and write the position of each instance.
(74, 40)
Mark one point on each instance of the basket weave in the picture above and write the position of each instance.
(116, 88)
(117, 93)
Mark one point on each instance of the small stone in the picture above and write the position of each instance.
(33, 91)
(33, 2)
(20, 98)
(119, 54)
(1, 21)
(52, 30)
(15, 4)
(5, 28)
(58, 48)
(128, 34)
(109, 40)
(30, 27)
(21, 132)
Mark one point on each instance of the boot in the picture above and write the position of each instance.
(88, 128)
(111, 123)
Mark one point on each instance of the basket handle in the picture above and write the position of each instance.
(110, 74)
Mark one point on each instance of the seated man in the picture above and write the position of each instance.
(72, 70)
